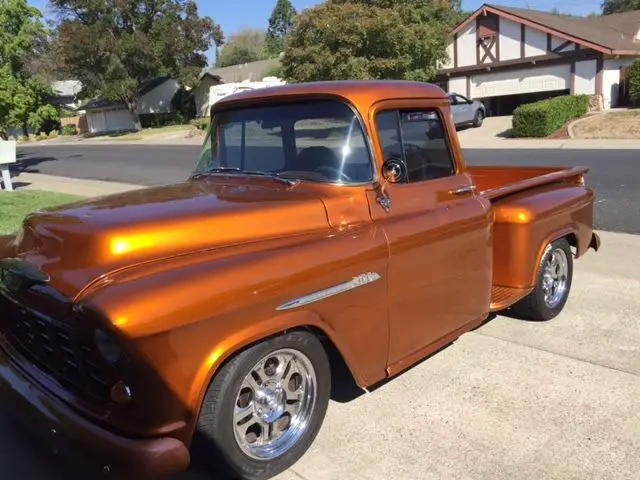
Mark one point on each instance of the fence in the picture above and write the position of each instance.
(80, 122)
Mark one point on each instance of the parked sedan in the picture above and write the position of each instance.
(467, 111)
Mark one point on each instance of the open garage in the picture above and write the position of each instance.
(506, 57)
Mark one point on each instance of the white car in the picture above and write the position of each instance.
(467, 112)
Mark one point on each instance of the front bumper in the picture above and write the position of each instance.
(68, 433)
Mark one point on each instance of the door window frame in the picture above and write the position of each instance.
(413, 105)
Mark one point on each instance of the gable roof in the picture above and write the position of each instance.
(67, 88)
(144, 88)
(246, 71)
(611, 34)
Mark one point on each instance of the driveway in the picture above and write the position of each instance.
(512, 399)
(493, 129)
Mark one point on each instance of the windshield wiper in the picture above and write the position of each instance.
(275, 176)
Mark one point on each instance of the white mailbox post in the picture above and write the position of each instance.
(7, 157)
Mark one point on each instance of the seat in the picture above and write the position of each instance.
(311, 159)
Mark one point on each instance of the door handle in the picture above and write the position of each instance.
(463, 190)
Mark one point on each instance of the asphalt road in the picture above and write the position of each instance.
(615, 174)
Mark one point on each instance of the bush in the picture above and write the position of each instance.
(69, 130)
(42, 136)
(154, 120)
(541, 119)
(53, 134)
(23, 138)
(634, 82)
(201, 123)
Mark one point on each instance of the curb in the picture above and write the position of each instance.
(579, 120)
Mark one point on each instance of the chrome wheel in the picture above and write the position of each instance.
(275, 404)
(554, 278)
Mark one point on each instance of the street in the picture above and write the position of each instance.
(614, 174)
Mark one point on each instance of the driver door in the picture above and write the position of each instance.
(439, 234)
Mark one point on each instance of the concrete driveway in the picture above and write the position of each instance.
(493, 129)
(511, 400)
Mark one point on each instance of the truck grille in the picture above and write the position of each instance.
(58, 351)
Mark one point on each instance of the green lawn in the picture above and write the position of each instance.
(14, 206)
(153, 132)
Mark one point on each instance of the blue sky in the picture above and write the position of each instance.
(233, 16)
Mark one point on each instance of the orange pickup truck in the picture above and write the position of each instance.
(326, 225)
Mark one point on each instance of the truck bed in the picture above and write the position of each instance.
(532, 206)
(496, 182)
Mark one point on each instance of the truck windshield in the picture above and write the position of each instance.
(320, 141)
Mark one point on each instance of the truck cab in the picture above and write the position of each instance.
(325, 225)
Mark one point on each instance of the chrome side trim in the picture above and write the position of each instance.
(355, 282)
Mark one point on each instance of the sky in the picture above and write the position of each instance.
(232, 16)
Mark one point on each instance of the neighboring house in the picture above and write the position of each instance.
(154, 96)
(67, 93)
(254, 71)
(509, 56)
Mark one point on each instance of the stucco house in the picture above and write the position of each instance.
(507, 56)
(254, 71)
(154, 96)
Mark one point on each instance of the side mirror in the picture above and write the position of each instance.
(394, 170)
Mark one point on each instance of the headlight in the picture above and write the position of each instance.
(107, 347)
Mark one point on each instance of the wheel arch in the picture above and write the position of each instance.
(340, 359)
(568, 233)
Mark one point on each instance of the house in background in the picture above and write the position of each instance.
(154, 97)
(506, 56)
(66, 93)
(246, 72)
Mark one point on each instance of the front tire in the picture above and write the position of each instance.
(264, 408)
(553, 284)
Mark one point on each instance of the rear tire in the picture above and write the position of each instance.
(282, 384)
(478, 119)
(553, 284)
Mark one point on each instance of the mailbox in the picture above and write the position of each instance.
(7, 157)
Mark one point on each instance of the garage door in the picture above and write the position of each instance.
(537, 79)
(119, 119)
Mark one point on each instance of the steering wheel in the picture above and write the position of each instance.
(333, 173)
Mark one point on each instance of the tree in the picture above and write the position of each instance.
(243, 47)
(23, 95)
(369, 39)
(619, 6)
(280, 25)
(112, 46)
(634, 82)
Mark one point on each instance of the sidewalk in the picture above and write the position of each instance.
(74, 186)
(569, 143)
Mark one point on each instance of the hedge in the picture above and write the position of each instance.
(541, 119)
(149, 120)
(634, 82)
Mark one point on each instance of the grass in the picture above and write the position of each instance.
(621, 124)
(153, 132)
(14, 206)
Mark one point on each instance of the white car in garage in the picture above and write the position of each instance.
(467, 112)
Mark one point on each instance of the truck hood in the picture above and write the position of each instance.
(79, 243)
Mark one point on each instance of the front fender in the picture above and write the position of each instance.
(187, 315)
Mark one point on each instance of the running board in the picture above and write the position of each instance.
(504, 297)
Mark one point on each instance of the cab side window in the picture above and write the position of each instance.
(418, 138)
